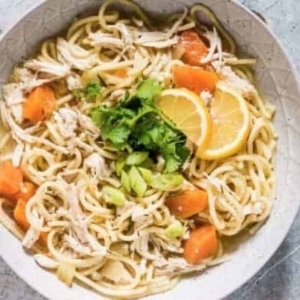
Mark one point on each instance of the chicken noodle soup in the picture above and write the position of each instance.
(130, 152)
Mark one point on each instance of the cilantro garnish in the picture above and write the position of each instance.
(135, 123)
(91, 91)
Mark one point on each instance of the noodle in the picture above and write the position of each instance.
(122, 251)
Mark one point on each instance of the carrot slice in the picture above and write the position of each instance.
(21, 219)
(194, 47)
(188, 203)
(43, 238)
(10, 180)
(39, 104)
(20, 215)
(201, 244)
(27, 191)
(121, 73)
(194, 79)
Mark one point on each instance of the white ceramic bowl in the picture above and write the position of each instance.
(277, 78)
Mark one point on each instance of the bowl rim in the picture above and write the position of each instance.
(253, 14)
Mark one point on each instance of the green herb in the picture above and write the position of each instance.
(148, 89)
(136, 124)
(91, 91)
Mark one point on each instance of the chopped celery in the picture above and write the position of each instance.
(136, 158)
(146, 174)
(174, 230)
(167, 182)
(125, 181)
(137, 182)
(120, 164)
(113, 196)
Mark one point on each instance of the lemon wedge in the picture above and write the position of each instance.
(230, 124)
(188, 111)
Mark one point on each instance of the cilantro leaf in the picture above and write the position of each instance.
(115, 124)
(172, 164)
(91, 91)
(148, 89)
(135, 123)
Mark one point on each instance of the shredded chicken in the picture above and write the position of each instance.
(215, 45)
(141, 245)
(87, 124)
(14, 99)
(32, 234)
(74, 82)
(97, 166)
(13, 94)
(28, 80)
(66, 53)
(174, 266)
(161, 241)
(53, 69)
(79, 222)
(66, 122)
(100, 39)
(127, 37)
(19, 134)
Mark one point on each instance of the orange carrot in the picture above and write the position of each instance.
(20, 215)
(194, 79)
(194, 47)
(201, 244)
(27, 191)
(188, 203)
(21, 219)
(39, 104)
(10, 180)
(43, 238)
(121, 73)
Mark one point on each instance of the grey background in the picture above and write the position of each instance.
(280, 278)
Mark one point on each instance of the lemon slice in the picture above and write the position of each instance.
(187, 110)
(231, 124)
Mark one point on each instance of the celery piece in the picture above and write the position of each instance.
(120, 164)
(167, 182)
(146, 174)
(113, 196)
(125, 181)
(136, 158)
(174, 230)
(137, 182)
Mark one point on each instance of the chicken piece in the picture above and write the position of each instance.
(97, 166)
(66, 54)
(67, 122)
(53, 70)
